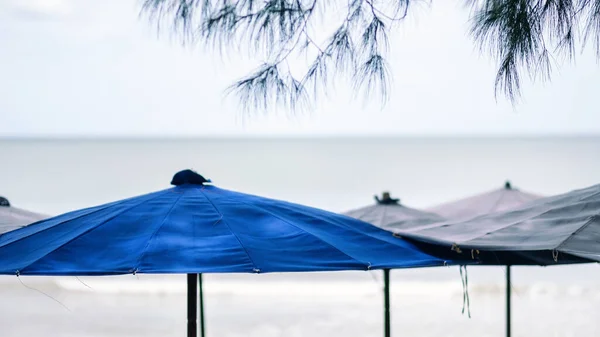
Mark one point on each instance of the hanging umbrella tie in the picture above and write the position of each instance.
(374, 278)
(456, 248)
(18, 273)
(465, 283)
(555, 255)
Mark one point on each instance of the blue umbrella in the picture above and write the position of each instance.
(195, 228)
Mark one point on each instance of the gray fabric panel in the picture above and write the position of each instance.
(12, 218)
(585, 242)
(567, 223)
(485, 203)
(394, 217)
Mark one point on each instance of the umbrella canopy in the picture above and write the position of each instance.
(12, 218)
(568, 224)
(388, 213)
(502, 199)
(196, 227)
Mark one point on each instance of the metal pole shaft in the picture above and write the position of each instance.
(201, 305)
(508, 304)
(192, 313)
(386, 302)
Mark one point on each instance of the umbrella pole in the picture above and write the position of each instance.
(192, 313)
(386, 302)
(508, 304)
(201, 305)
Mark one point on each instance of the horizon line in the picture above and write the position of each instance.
(300, 136)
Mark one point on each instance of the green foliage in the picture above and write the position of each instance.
(522, 35)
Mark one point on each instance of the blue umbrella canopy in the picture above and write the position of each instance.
(196, 227)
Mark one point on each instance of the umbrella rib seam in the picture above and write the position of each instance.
(255, 267)
(465, 244)
(366, 264)
(89, 230)
(589, 196)
(139, 262)
(450, 205)
(589, 222)
(369, 210)
(528, 197)
(480, 236)
(495, 205)
(2, 244)
(383, 215)
(372, 210)
(351, 228)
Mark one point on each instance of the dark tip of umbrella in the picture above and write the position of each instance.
(507, 185)
(386, 199)
(188, 177)
(4, 202)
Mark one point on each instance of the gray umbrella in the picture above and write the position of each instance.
(501, 199)
(561, 229)
(388, 213)
(12, 218)
(566, 224)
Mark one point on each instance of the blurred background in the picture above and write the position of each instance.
(95, 108)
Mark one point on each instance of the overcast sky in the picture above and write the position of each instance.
(88, 67)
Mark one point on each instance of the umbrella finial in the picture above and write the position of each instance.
(188, 177)
(386, 199)
(507, 185)
(4, 202)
